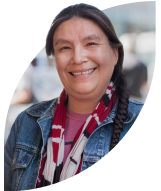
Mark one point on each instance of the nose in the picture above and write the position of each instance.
(79, 55)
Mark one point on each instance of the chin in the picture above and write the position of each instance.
(85, 90)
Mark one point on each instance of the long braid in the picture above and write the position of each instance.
(122, 109)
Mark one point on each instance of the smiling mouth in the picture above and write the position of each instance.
(82, 73)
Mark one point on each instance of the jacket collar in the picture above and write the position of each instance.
(113, 113)
(47, 108)
(42, 108)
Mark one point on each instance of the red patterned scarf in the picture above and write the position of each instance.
(51, 168)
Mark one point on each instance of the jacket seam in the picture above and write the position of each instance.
(87, 158)
(27, 148)
(20, 177)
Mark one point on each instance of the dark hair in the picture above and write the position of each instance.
(92, 13)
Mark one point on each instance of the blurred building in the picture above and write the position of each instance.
(129, 20)
(142, 46)
(132, 17)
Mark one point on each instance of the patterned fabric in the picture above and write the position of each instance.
(51, 168)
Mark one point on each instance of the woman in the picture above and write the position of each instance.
(54, 140)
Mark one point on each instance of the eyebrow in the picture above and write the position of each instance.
(90, 37)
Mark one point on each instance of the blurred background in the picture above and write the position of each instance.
(134, 24)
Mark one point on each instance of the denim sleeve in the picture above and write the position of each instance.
(8, 156)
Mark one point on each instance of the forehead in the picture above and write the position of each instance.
(77, 26)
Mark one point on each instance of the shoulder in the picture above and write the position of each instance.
(39, 104)
(38, 110)
(135, 102)
(42, 108)
(134, 109)
(135, 106)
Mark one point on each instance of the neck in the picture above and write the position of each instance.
(82, 106)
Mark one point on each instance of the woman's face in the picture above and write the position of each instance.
(84, 59)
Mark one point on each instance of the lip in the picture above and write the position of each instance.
(82, 70)
(84, 75)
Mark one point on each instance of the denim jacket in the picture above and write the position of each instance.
(29, 134)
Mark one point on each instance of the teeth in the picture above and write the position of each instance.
(82, 73)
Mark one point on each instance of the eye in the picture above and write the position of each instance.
(91, 44)
(64, 48)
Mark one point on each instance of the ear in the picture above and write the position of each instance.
(116, 53)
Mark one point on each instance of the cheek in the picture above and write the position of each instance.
(61, 62)
(101, 57)
(104, 64)
(60, 65)
(108, 63)
(106, 68)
